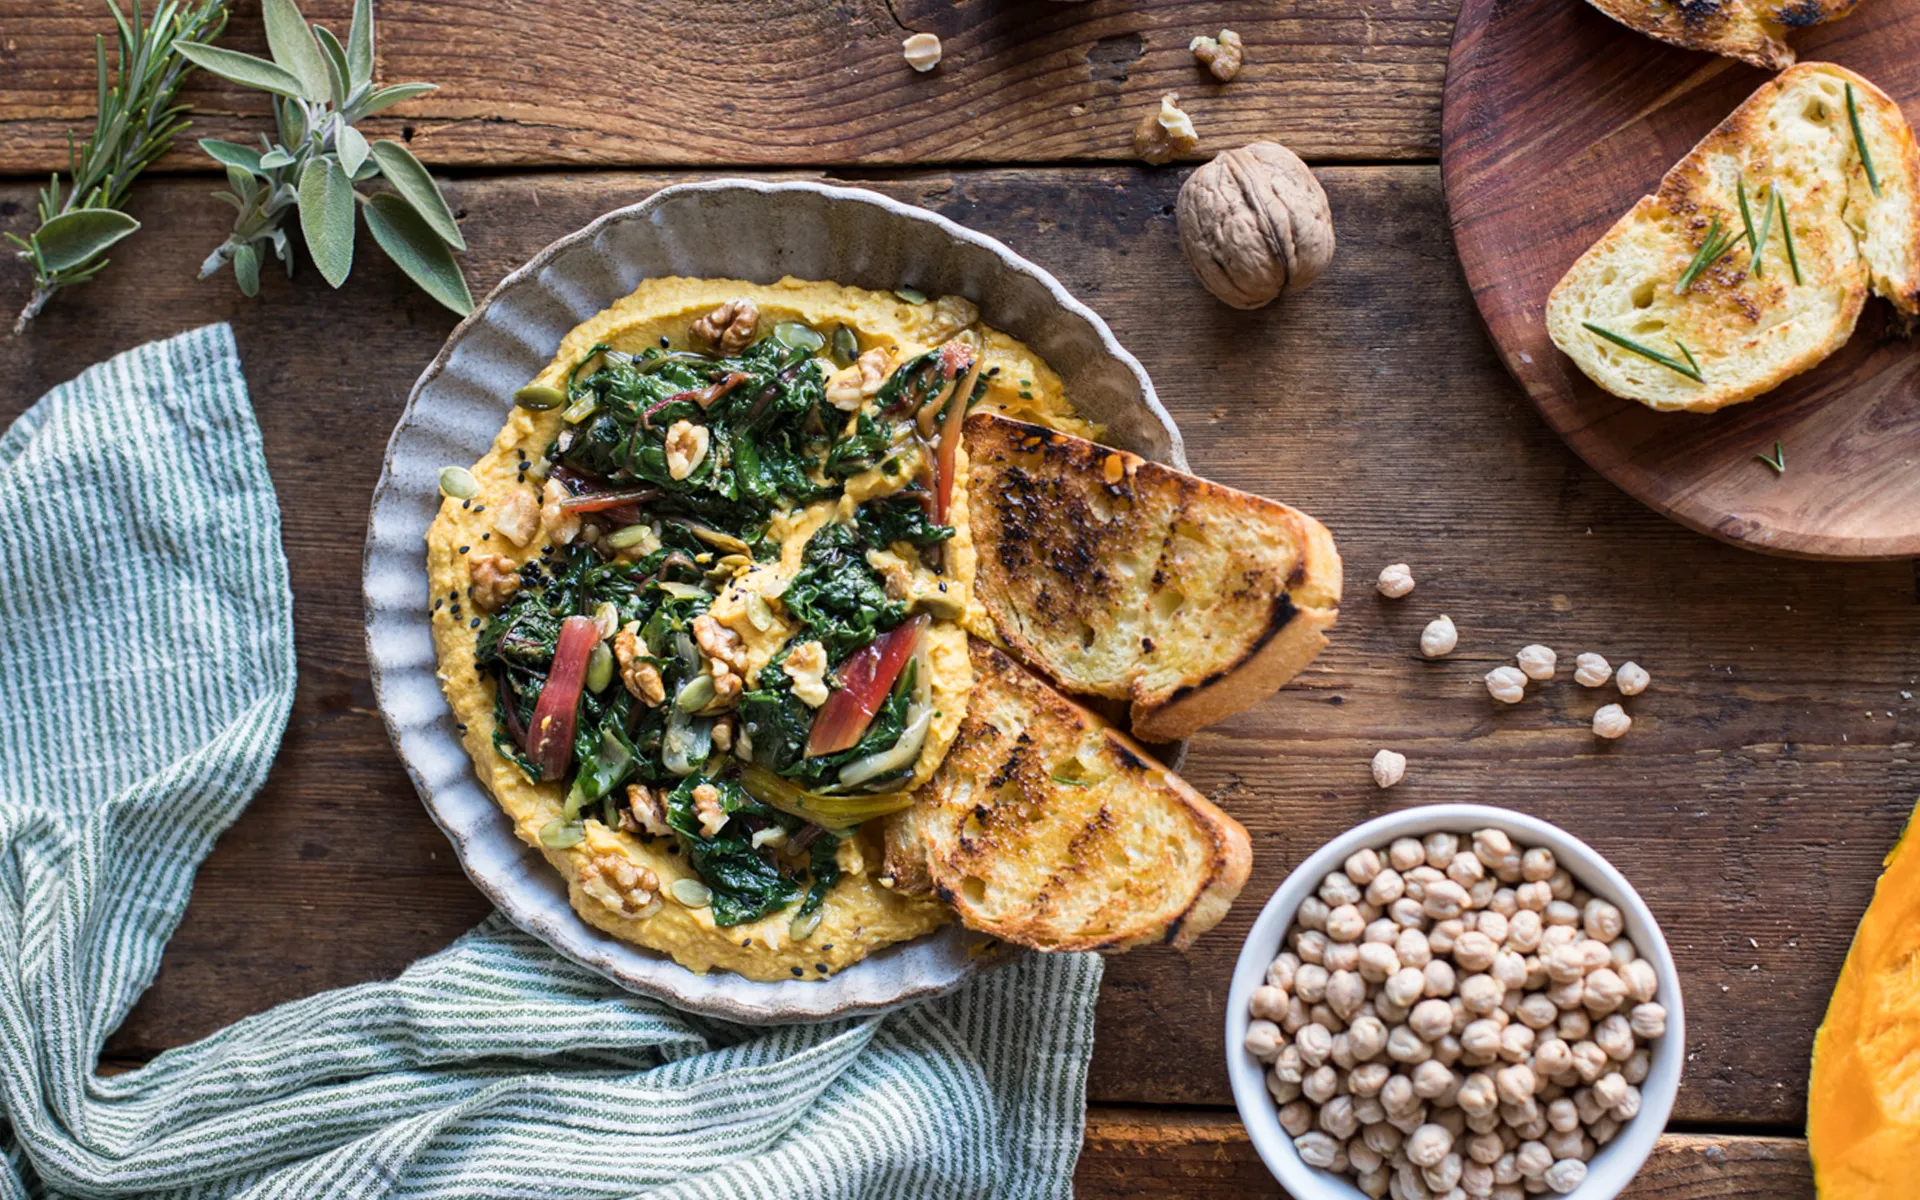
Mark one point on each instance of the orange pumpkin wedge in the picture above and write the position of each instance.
(1863, 1103)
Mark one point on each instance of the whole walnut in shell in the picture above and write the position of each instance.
(1254, 223)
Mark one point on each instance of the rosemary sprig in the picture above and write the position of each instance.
(1766, 227)
(1746, 217)
(1860, 141)
(135, 120)
(1779, 460)
(1690, 368)
(1786, 232)
(1711, 251)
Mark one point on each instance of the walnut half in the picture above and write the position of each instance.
(729, 328)
(1254, 223)
(1165, 133)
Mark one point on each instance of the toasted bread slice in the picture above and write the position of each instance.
(1122, 578)
(1047, 827)
(1752, 31)
(1743, 332)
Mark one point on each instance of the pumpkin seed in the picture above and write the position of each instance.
(696, 695)
(759, 612)
(692, 893)
(459, 483)
(846, 346)
(629, 536)
(798, 336)
(558, 834)
(802, 926)
(606, 618)
(911, 295)
(599, 668)
(539, 397)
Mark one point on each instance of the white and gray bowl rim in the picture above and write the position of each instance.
(1614, 1167)
(718, 994)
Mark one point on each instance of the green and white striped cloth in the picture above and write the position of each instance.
(146, 671)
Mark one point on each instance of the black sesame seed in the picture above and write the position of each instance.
(664, 343)
(474, 624)
(466, 504)
(745, 943)
(464, 549)
(820, 967)
(797, 972)
(486, 537)
(479, 508)
(827, 949)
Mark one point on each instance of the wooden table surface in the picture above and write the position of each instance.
(1769, 768)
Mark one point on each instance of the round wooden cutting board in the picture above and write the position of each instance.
(1556, 120)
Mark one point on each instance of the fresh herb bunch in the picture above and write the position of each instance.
(134, 124)
(322, 89)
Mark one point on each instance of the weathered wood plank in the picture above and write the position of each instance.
(804, 82)
(1207, 1156)
(1752, 800)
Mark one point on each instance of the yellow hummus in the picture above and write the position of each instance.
(859, 915)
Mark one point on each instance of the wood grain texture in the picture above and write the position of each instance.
(803, 82)
(1207, 1156)
(1770, 767)
(1557, 120)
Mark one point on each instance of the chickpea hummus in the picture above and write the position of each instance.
(700, 611)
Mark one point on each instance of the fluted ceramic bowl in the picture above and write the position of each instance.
(1620, 1159)
(726, 228)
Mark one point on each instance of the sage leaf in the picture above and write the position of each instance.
(243, 184)
(389, 96)
(360, 45)
(352, 147)
(337, 85)
(72, 238)
(291, 41)
(275, 157)
(232, 154)
(292, 119)
(418, 249)
(246, 268)
(243, 69)
(409, 177)
(326, 218)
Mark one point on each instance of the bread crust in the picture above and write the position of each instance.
(1032, 857)
(1118, 577)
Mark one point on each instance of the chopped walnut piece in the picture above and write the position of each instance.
(851, 386)
(562, 526)
(619, 883)
(729, 328)
(494, 580)
(1221, 55)
(644, 812)
(518, 516)
(687, 445)
(1165, 133)
(641, 677)
(726, 688)
(717, 641)
(706, 803)
(806, 665)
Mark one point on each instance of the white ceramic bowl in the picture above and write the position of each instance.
(1614, 1167)
(747, 229)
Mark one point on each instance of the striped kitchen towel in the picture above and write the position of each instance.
(146, 660)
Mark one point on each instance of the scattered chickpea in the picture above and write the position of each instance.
(1611, 721)
(1537, 661)
(1395, 581)
(1389, 768)
(1631, 679)
(1507, 685)
(1455, 1014)
(1439, 638)
(1591, 670)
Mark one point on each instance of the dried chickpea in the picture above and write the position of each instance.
(1336, 889)
(1439, 849)
(1395, 581)
(1320, 1084)
(1263, 1040)
(1386, 887)
(1591, 670)
(1363, 866)
(1631, 679)
(1647, 1020)
(1346, 991)
(1428, 1144)
(1566, 1175)
(1316, 1149)
(1440, 978)
(1610, 721)
(1315, 1043)
(1406, 913)
(1439, 638)
(1441, 936)
(1344, 924)
(1537, 661)
(1269, 1003)
(1280, 974)
(1507, 685)
(1377, 962)
(1406, 853)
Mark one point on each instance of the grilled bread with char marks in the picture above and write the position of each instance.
(1048, 828)
(1753, 32)
(1747, 333)
(1122, 578)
